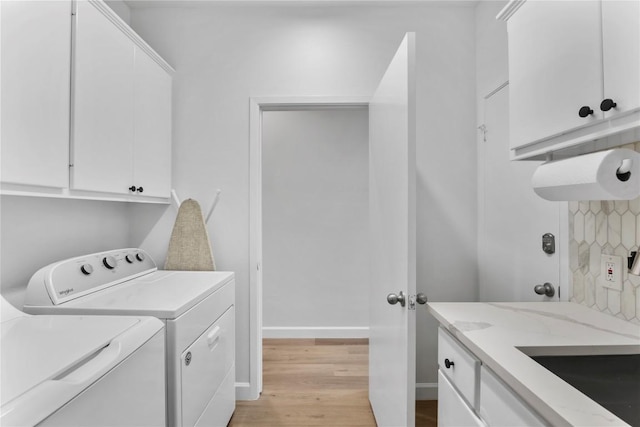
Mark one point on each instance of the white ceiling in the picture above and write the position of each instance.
(138, 4)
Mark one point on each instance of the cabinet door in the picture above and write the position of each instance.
(621, 54)
(103, 104)
(499, 406)
(554, 68)
(36, 56)
(152, 140)
(452, 409)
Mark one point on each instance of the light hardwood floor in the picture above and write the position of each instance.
(316, 382)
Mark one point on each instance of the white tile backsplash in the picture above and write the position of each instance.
(604, 227)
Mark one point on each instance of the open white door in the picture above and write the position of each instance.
(392, 210)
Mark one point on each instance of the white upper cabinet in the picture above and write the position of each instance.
(121, 139)
(573, 73)
(102, 142)
(621, 54)
(554, 49)
(36, 58)
(152, 126)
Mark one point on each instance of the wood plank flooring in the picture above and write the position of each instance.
(316, 382)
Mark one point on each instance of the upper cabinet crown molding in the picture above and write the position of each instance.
(509, 10)
(128, 31)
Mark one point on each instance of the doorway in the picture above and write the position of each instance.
(277, 110)
(315, 210)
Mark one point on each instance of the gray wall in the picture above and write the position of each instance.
(37, 231)
(315, 220)
(226, 53)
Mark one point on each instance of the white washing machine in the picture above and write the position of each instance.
(81, 370)
(196, 307)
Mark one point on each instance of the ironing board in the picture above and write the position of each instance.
(189, 246)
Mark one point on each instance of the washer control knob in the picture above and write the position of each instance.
(109, 262)
(140, 256)
(129, 258)
(86, 269)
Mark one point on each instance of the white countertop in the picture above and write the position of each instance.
(501, 333)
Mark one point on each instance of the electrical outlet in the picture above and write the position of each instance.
(611, 271)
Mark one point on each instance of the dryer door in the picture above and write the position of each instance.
(204, 365)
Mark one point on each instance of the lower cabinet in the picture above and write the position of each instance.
(452, 409)
(470, 394)
(499, 406)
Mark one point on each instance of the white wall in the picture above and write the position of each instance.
(121, 9)
(315, 221)
(492, 60)
(226, 53)
(37, 231)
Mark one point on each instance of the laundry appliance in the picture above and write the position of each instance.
(81, 371)
(197, 308)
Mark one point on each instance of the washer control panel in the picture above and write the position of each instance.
(75, 277)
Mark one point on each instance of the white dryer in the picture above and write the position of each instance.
(196, 307)
(81, 370)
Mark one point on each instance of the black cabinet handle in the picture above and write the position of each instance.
(448, 363)
(140, 190)
(607, 104)
(132, 188)
(585, 111)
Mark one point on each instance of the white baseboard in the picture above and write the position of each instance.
(244, 392)
(426, 391)
(315, 332)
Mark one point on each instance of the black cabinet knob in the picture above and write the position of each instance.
(132, 188)
(585, 111)
(140, 190)
(607, 104)
(448, 363)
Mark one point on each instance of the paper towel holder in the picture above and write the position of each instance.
(624, 171)
(633, 263)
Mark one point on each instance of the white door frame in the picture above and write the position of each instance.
(565, 284)
(257, 105)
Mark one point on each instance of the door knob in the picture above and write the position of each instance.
(393, 299)
(546, 289)
(585, 111)
(607, 104)
(132, 188)
(421, 298)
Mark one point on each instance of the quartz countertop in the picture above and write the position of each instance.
(504, 335)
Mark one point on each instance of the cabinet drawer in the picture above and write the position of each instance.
(463, 370)
(502, 407)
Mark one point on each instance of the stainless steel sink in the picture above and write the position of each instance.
(613, 381)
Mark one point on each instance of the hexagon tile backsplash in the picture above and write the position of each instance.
(604, 227)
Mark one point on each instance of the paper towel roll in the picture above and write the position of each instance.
(605, 175)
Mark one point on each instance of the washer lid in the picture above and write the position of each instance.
(34, 349)
(161, 294)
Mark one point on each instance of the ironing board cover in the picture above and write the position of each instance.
(189, 246)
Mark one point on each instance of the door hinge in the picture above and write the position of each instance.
(412, 302)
